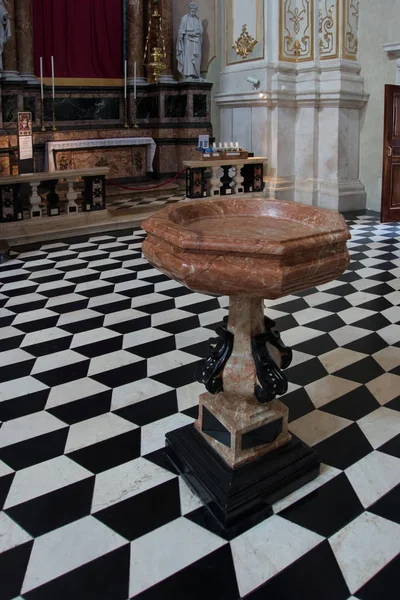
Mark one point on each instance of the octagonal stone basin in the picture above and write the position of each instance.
(249, 247)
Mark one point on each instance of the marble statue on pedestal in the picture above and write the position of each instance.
(5, 30)
(188, 47)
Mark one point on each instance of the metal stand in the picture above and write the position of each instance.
(126, 126)
(135, 123)
(54, 128)
(42, 115)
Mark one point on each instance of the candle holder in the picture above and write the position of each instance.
(54, 128)
(126, 126)
(42, 114)
(135, 123)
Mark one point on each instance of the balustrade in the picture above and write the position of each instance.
(227, 176)
(94, 193)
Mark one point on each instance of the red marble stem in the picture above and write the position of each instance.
(246, 319)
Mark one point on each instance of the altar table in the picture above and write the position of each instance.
(103, 143)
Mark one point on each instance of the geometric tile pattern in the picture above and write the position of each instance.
(97, 359)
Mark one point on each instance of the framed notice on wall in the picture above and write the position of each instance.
(25, 143)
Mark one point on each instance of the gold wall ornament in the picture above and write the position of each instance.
(155, 61)
(328, 29)
(350, 29)
(296, 30)
(245, 43)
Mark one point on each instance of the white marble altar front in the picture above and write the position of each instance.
(96, 143)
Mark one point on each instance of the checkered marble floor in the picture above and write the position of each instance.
(126, 204)
(96, 365)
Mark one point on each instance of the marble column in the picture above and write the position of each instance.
(24, 38)
(168, 30)
(10, 66)
(135, 41)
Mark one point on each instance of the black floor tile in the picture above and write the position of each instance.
(344, 448)
(327, 509)
(315, 576)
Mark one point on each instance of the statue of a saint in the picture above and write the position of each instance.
(5, 30)
(188, 47)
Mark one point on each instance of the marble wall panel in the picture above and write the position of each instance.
(259, 131)
(82, 109)
(241, 132)
(306, 142)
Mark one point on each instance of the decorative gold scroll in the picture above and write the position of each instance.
(245, 43)
(328, 29)
(350, 29)
(296, 30)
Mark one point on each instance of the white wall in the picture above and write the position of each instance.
(379, 24)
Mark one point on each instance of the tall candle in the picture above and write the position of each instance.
(134, 80)
(125, 77)
(41, 78)
(52, 75)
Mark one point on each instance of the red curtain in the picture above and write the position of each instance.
(84, 36)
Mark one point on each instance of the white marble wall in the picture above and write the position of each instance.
(308, 119)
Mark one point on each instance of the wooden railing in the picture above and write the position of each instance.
(14, 194)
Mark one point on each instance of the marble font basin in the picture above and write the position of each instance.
(240, 450)
(255, 247)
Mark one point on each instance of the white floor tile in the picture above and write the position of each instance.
(380, 426)
(74, 390)
(267, 548)
(26, 428)
(191, 543)
(43, 478)
(364, 546)
(95, 430)
(11, 534)
(114, 360)
(137, 391)
(373, 476)
(68, 548)
(127, 480)
(153, 435)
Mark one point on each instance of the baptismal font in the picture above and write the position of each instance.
(240, 456)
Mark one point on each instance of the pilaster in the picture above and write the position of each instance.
(24, 39)
(305, 106)
(135, 51)
(10, 65)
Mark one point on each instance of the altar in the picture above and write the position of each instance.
(128, 156)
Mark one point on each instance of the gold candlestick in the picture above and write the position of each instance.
(54, 128)
(135, 123)
(42, 115)
(126, 126)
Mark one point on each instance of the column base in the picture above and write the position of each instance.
(139, 81)
(168, 79)
(11, 76)
(238, 499)
(30, 79)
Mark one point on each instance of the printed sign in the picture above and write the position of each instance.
(25, 135)
(204, 141)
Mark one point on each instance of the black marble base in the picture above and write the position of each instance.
(4, 251)
(240, 498)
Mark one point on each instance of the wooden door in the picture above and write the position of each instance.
(390, 205)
